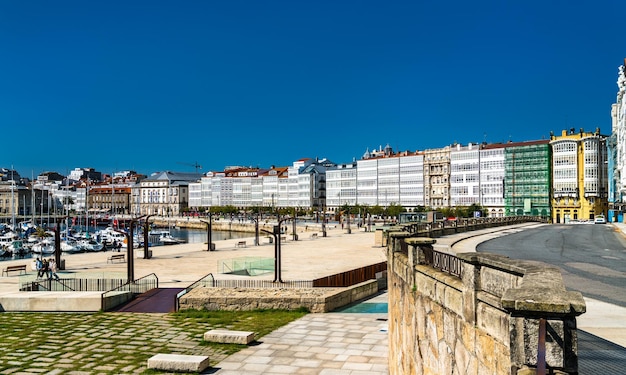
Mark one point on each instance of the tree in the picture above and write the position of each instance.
(394, 210)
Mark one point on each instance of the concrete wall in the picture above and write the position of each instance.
(484, 322)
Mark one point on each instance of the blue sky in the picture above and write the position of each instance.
(162, 85)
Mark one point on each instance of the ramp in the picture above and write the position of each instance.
(157, 300)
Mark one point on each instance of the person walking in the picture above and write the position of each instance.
(52, 265)
(43, 271)
(39, 266)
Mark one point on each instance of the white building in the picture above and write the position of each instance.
(492, 160)
(301, 185)
(618, 116)
(464, 175)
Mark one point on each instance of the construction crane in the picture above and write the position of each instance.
(195, 165)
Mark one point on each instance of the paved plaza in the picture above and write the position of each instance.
(330, 343)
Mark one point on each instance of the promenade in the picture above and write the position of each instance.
(327, 344)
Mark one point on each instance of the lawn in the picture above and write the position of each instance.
(121, 343)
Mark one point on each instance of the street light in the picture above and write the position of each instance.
(256, 227)
(323, 221)
(295, 235)
(211, 245)
(277, 249)
(130, 264)
(146, 231)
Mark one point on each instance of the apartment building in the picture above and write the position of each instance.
(617, 156)
(527, 178)
(165, 193)
(579, 175)
(437, 177)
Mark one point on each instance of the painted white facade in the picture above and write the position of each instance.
(464, 175)
(341, 186)
(565, 168)
(618, 116)
(492, 180)
(367, 181)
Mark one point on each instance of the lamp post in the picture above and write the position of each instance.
(130, 263)
(256, 228)
(211, 245)
(295, 235)
(277, 249)
(146, 231)
(348, 230)
(323, 221)
(57, 245)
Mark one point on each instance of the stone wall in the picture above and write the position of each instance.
(316, 300)
(484, 322)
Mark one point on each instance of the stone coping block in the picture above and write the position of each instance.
(178, 362)
(226, 336)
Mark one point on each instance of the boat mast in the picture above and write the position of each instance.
(87, 208)
(13, 199)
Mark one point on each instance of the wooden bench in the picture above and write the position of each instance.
(241, 244)
(283, 238)
(116, 257)
(21, 268)
(313, 236)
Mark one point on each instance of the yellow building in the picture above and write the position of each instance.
(579, 176)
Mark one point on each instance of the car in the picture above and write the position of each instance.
(599, 220)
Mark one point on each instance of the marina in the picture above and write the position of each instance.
(12, 246)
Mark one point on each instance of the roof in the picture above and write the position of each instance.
(174, 176)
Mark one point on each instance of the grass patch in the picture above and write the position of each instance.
(117, 343)
(261, 322)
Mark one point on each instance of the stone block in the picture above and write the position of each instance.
(226, 336)
(178, 362)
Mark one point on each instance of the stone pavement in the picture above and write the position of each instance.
(325, 344)
(331, 343)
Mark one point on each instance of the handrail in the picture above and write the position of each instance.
(141, 285)
(195, 284)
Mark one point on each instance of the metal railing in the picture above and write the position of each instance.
(205, 281)
(447, 263)
(136, 287)
(71, 285)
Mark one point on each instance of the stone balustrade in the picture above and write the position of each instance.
(487, 321)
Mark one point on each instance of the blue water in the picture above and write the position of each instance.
(365, 308)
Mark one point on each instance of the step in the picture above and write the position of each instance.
(178, 362)
(226, 336)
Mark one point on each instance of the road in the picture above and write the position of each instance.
(592, 257)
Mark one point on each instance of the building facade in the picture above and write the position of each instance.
(437, 177)
(528, 178)
(164, 193)
(579, 175)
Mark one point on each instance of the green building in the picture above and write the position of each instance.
(527, 178)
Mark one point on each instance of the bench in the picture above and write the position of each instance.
(313, 236)
(283, 238)
(21, 268)
(116, 257)
(241, 244)
(178, 362)
(226, 336)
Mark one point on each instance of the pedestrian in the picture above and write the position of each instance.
(39, 267)
(53, 269)
(43, 272)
